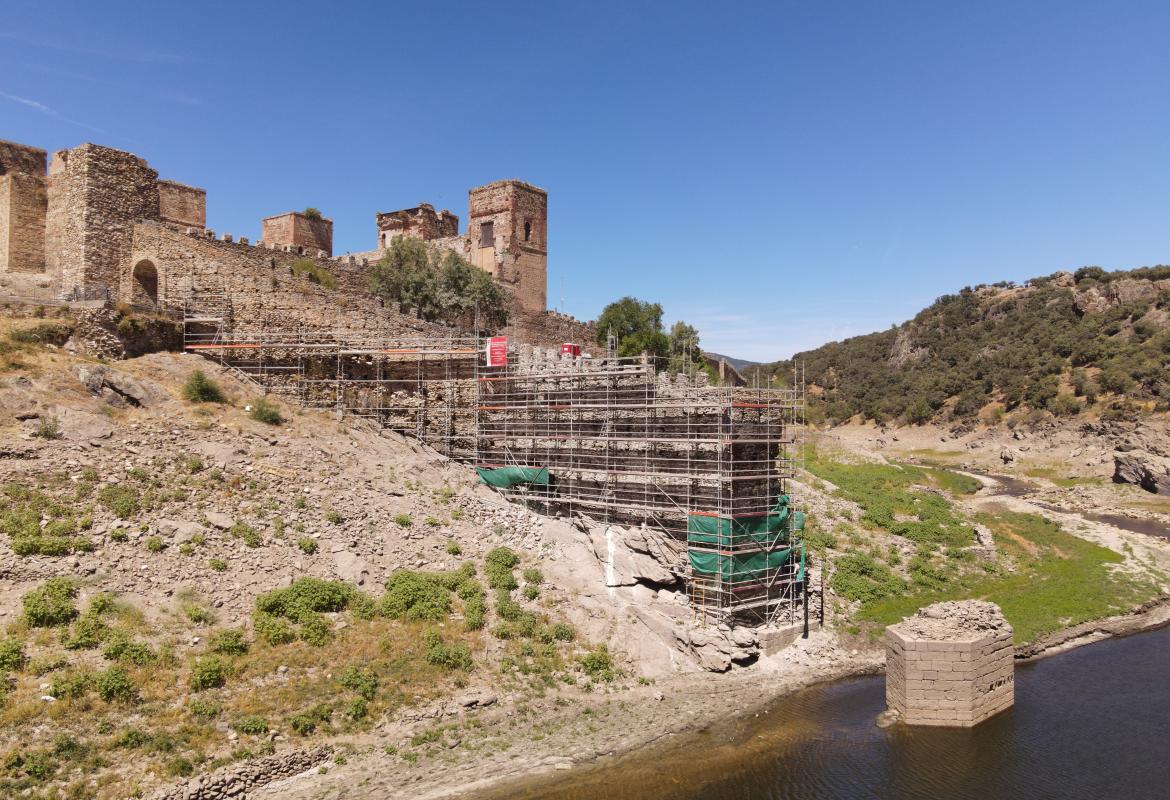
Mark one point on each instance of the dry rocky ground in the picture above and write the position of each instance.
(180, 515)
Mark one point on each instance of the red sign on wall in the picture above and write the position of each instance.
(570, 349)
(497, 351)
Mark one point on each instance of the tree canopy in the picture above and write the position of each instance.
(638, 326)
(438, 285)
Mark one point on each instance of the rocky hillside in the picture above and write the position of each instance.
(1086, 342)
(210, 586)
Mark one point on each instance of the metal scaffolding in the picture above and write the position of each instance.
(614, 440)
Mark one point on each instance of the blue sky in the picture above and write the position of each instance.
(779, 174)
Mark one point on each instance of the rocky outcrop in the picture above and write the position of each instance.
(118, 388)
(238, 779)
(1097, 299)
(632, 556)
(1143, 469)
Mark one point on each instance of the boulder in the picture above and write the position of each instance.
(1146, 470)
(350, 567)
(219, 520)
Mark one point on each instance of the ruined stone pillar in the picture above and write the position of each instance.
(950, 664)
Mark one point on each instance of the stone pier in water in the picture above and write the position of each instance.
(950, 664)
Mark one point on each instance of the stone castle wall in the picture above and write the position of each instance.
(21, 158)
(299, 230)
(23, 204)
(420, 222)
(264, 293)
(96, 195)
(182, 204)
(951, 665)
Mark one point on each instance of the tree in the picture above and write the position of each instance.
(685, 354)
(438, 285)
(638, 326)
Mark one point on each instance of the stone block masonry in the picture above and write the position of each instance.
(181, 204)
(952, 664)
(298, 230)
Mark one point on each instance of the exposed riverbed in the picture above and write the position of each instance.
(1089, 723)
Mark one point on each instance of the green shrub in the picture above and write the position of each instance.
(533, 575)
(361, 680)
(474, 604)
(200, 615)
(120, 647)
(562, 632)
(1064, 405)
(180, 767)
(87, 632)
(122, 501)
(155, 545)
(252, 725)
(531, 591)
(210, 672)
(403, 520)
(415, 596)
(858, 576)
(251, 536)
(229, 642)
(131, 738)
(498, 566)
(114, 686)
(306, 722)
(454, 549)
(266, 412)
(315, 630)
(313, 272)
(48, 428)
(334, 517)
(119, 535)
(272, 630)
(306, 595)
(451, 656)
(12, 657)
(50, 604)
(308, 546)
(598, 664)
(73, 683)
(358, 709)
(204, 709)
(217, 564)
(201, 389)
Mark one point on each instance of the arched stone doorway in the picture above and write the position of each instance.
(144, 283)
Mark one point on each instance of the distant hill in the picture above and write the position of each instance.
(1063, 344)
(739, 363)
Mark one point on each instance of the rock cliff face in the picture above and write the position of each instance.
(1146, 470)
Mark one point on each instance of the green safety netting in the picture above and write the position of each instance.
(728, 532)
(725, 532)
(505, 477)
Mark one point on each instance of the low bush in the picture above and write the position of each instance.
(210, 672)
(308, 546)
(120, 647)
(306, 722)
(857, 576)
(50, 604)
(155, 544)
(498, 566)
(598, 664)
(252, 725)
(454, 549)
(266, 412)
(114, 686)
(201, 389)
(12, 657)
(451, 656)
(403, 520)
(122, 501)
(474, 604)
(48, 428)
(273, 630)
(228, 642)
(415, 596)
(87, 632)
(251, 536)
(361, 680)
(217, 564)
(316, 630)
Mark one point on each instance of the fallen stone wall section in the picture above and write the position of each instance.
(238, 779)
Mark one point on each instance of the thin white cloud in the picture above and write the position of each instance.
(44, 109)
(133, 52)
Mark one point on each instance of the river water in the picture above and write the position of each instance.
(1093, 722)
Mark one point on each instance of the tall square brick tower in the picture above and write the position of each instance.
(507, 231)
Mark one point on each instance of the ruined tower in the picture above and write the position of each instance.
(23, 201)
(308, 232)
(507, 231)
(96, 195)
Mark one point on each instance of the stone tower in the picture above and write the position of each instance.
(23, 201)
(507, 233)
(305, 233)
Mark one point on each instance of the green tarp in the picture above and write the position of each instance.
(724, 532)
(728, 532)
(506, 477)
